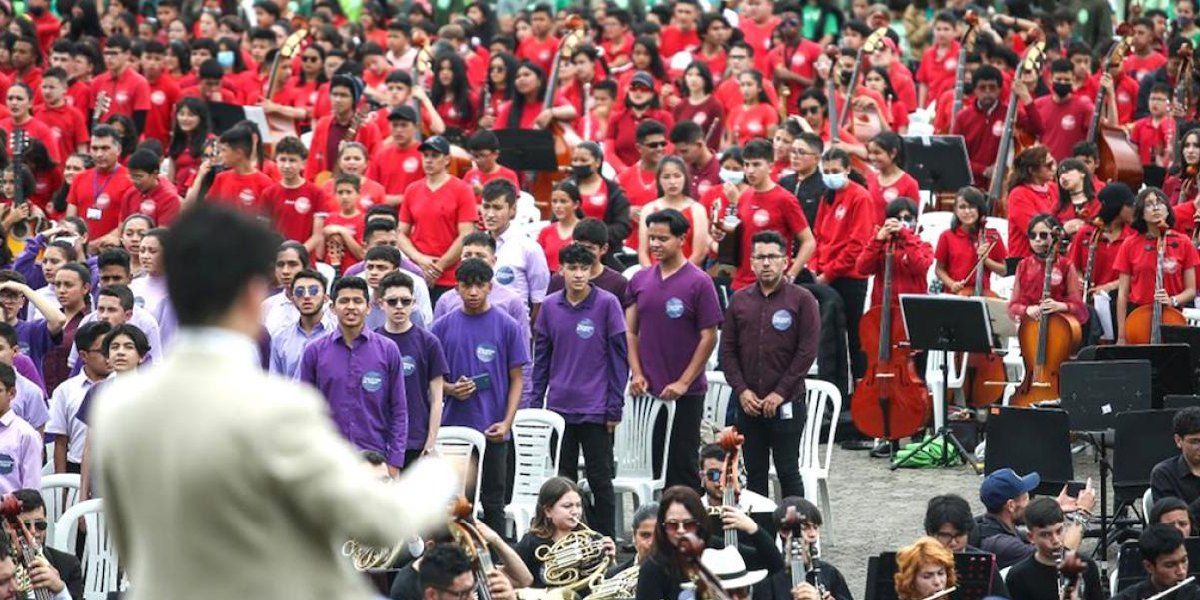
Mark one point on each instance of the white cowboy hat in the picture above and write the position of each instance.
(728, 567)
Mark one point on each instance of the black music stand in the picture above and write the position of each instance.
(1170, 365)
(1093, 394)
(1178, 401)
(973, 569)
(1031, 439)
(1182, 334)
(527, 149)
(1143, 439)
(949, 324)
(938, 162)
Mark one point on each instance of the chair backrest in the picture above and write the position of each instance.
(461, 445)
(820, 398)
(933, 223)
(717, 398)
(633, 446)
(60, 492)
(537, 435)
(101, 572)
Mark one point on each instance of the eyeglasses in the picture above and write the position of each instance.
(463, 595)
(306, 290)
(947, 537)
(392, 302)
(799, 152)
(1041, 235)
(655, 145)
(738, 57)
(810, 110)
(38, 524)
(312, 59)
(688, 525)
(713, 475)
(906, 218)
(766, 257)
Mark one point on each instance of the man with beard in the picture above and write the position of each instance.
(981, 123)
(288, 344)
(1005, 495)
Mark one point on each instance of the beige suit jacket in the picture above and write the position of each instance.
(221, 481)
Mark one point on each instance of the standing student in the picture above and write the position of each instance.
(20, 445)
(424, 363)
(672, 328)
(1064, 115)
(437, 213)
(580, 368)
(151, 194)
(289, 341)
(126, 91)
(68, 127)
(484, 356)
(95, 193)
(297, 206)
(962, 246)
(330, 131)
(361, 375)
(520, 262)
(674, 186)
(343, 230)
(70, 434)
(240, 184)
(1032, 191)
(593, 236)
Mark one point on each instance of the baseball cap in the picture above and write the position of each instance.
(403, 112)
(436, 143)
(643, 79)
(1004, 485)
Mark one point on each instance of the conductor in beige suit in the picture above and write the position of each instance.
(221, 481)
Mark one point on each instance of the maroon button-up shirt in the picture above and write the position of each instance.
(768, 343)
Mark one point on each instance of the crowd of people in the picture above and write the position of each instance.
(731, 178)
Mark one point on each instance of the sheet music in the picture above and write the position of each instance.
(1101, 302)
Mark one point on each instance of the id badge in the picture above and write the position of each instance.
(94, 214)
(785, 411)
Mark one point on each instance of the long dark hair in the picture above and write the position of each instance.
(678, 494)
(232, 45)
(704, 71)
(549, 494)
(510, 75)
(1139, 223)
(1025, 164)
(757, 76)
(180, 139)
(459, 86)
(319, 49)
(1089, 190)
(656, 67)
(893, 145)
(129, 133)
(518, 100)
(182, 54)
(977, 199)
(1178, 164)
(37, 157)
(889, 91)
(87, 23)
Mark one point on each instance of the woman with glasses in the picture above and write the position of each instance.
(886, 152)
(673, 184)
(1066, 293)
(960, 247)
(639, 104)
(498, 88)
(755, 117)
(1098, 242)
(680, 512)
(1137, 260)
(305, 82)
(1032, 191)
(699, 104)
(924, 569)
(1077, 204)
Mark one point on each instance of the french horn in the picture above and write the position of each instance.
(575, 562)
(621, 586)
(366, 557)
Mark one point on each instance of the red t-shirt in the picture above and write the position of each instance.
(475, 177)
(775, 210)
(749, 122)
(613, 50)
(729, 94)
(293, 209)
(676, 40)
(1106, 253)
(370, 193)
(395, 168)
(355, 224)
(1025, 203)
(97, 197)
(759, 37)
(127, 93)
(1064, 287)
(957, 255)
(79, 95)
(244, 192)
(37, 130)
(1140, 66)
(1138, 258)
(164, 93)
(550, 242)
(641, 188)
(1151, 139)
(540, 52)
(68, 128)
(435, 215)
(161, 203)
(1063, 125)
(938, 68)
(799, 60)
(905, 187)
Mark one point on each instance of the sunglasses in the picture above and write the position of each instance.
(312, 59)
(688, 525)
(713, 475)
(811, 110)
(655, 145)
(306, 290)
(392, 302)
(640, 88)
(1041, 235)
(39, 524)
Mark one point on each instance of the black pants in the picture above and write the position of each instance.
(778, 437)
(411, 456)
(493, 488)
(831, 353)
(597, 444)
(683, 462)
(854, 294)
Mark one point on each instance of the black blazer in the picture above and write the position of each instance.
(69, 570)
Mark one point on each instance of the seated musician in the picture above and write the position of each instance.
(527, 109)
(1165, 559)
(1005, 495)
(712, 466)
(1179, 476)
(1066, 294)
(924, 569)
(831, 582)
(1114, 216)
(728, 568)
(559, 513)
(1077, 203)
(959, 248)
(680, 513)
(1174, 512)
(56, 572)
(446, 572)
(407, 583)
(1037, 576)
(1137, 260)
(948, 519)
(644, 521)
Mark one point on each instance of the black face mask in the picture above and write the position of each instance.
(845, 77)
(36, 11)
(1062, 90)
(581, 171)
(641, 106)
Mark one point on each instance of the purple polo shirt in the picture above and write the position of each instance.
(581, 356)
(487, 343)
(424, 361)
(34, 340)
(608, 280)
(671, 315)
(20, 454)
(364, 386)
(507, 301)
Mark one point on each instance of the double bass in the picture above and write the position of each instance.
(1144, 324)
(565, 139)
(1119, 160)
(1035, 55)
(1047, 342)
(965, 46)
(833, 117)
(279, 125)
(984, 370)
(469, 538)
(869, 46)
(731, 442)
(890, 402)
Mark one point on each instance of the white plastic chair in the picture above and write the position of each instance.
(631, 271)
(1147, 502)
(716, 400)
(710, 364)
(328, 272)
(60, 491)
(537, 435)
(462, 443)
(101, 569)
(633, 448)
(820, 397)
(933, 223)
(48, 459)
(1193, 316)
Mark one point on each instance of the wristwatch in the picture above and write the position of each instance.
(1174, 302)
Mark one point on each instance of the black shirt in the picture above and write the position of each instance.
(69, 570)
(1032, 580)
(407, 584)
(992, 535)
(1145, 589)
(779, 585)
(808, 192)
(527, 550)
(1173, 477)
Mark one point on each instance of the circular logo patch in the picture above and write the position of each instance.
(246, 196)
(147, 207)
(102, 201)
(544, 56)
(700, 118)
(505, 275)
(597, 199)
(840, 213)
(485, 352)
(121, 97)
(754, 126)
(761, 217)
(951, 64)
(781, 320)
(372, 381)
(703, 187)
(674, 308)
(1123, 97)
(998, 128)
(410, 365)
(1170, 265)
(585, 328)
(410, 164)
(1056, 276)
(890, 194)
(1068, 122)
(366, 202)
(56, 133)
(798, 59)
(158, 97)
(302, 205)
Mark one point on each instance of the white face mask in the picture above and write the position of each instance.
(834, 181)
(730, 176)
(416, 547)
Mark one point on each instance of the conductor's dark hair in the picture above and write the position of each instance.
(948, 508)
(1043, 512)
(204, 277)
(1157, 540)
(670, 217)
(441, 565)
(1186, 421)
(473, 271)
(30, 499)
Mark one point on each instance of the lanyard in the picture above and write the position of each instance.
(98, 191)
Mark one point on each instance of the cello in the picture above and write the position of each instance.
(565, 139)
(890, 401)
(1119, 160)
(1047, 342)
(731, 442)
(1035, 55)
(1144, 324)
(984, 370)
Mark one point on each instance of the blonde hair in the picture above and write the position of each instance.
(912, 559)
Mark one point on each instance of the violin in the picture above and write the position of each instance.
(708, 586)
(1035, 55)
(1144, 324)
(1119, 160)
(731, 442)
(985, 372)
(890, 402)
(1069, 567)
(1047, 342)
(966, 45)
(791, 530)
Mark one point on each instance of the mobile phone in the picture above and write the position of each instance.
(482, 382)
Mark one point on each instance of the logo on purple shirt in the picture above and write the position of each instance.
(410, 365)
(485, 352)
(585, 328)
(674, 308)
(7, 463)
(505, 275)
(781, 320)
(372, 381)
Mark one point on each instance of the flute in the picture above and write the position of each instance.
(1169, 591)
